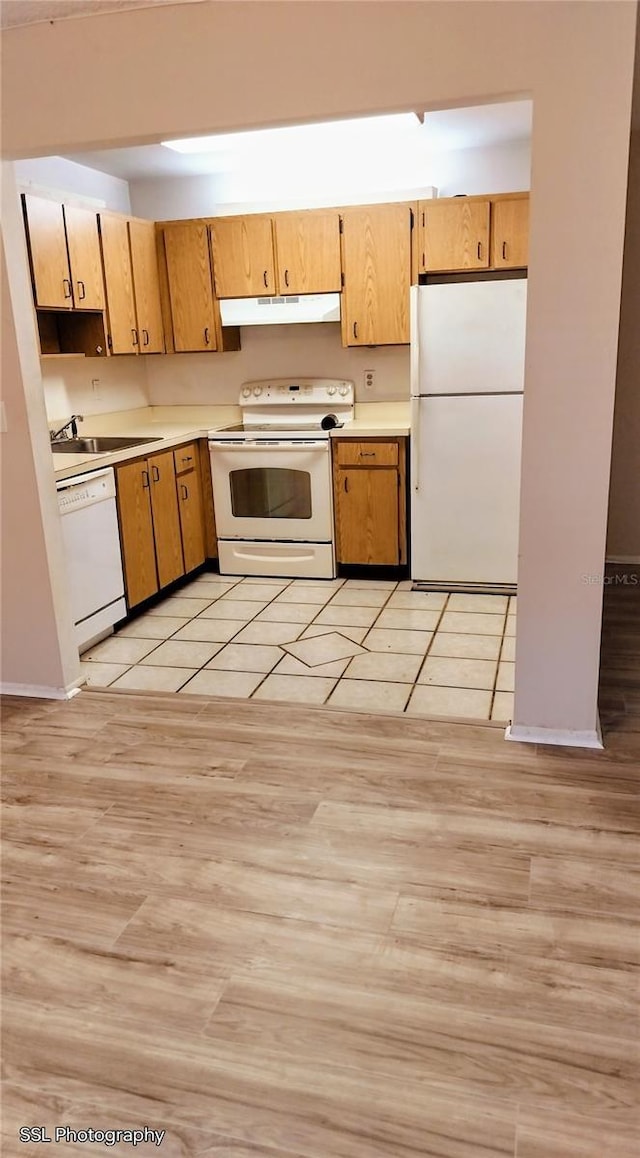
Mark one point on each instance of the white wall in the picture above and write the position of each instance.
(216, 66)
(277, 351)
(120, 384)
(61, 177)
(493, 169)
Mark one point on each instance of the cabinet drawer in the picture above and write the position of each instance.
(352, 453)
(186, 458)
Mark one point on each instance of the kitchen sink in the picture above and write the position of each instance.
(99, 445)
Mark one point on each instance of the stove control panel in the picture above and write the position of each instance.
(301, 392)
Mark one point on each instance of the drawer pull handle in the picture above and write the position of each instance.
(155, 474)
(145, 475)
(286, 277)
(265, 278)
(504, 251)
(188, 458)
(355, 329)
(206, 335)
(479, 251)
(185, 492)
(346, 484)
(82, 293)
(134, 337)
(367, 454)
(67, 287)
(145, 337)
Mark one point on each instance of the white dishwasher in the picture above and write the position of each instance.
(87, 504)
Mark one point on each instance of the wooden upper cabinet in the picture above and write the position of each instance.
(84, 258)
(510, 233)
(123, 328)
(243, 257)
(308, 252)
(190, 289)
(142, 239)
(454, 235)
(376, 254)
(48, 253)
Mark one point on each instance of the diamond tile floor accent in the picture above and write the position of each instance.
(354, 644)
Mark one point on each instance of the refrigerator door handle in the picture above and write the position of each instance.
(415, 442)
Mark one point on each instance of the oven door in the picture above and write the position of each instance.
(278, 491)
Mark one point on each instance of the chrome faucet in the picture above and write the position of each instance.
(63, 432)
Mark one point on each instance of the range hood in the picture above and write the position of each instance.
(281, 311)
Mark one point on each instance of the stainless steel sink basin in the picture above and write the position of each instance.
(99, 445)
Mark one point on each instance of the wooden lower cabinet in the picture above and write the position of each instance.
(190, 505)
(161, 522)
(370, 501)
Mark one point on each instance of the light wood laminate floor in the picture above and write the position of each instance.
(280, 931)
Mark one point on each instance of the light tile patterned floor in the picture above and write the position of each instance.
(370, 645)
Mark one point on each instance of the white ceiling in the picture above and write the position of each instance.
(441, 132)
(17, 12)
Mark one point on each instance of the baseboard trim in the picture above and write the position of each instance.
(562, 737)
(633, 560)
(40, 692)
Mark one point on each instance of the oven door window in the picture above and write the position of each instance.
(270, 492)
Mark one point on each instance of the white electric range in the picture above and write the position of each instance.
(272, 478)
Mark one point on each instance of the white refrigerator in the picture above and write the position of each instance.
(467, 378)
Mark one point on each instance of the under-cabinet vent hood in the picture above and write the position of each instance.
(280, 311)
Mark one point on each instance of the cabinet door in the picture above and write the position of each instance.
(243, 264)
(367, 516)
(510, 233)
(191, 522)
(84, 258)
(123, 328)
(308, 252)
(455, 235)
(190, 289)
(133, 484)
(146, 286)
(377, 269)
(166, 520)
(48, 253)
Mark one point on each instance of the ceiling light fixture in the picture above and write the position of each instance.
(230, 142)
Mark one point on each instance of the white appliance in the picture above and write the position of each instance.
(87, 504)
(467, 378)
(280, 311)
(272, 478)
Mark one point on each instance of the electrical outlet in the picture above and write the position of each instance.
(95, 386)
(369, 379)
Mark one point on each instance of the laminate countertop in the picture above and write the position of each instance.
(171, 425)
